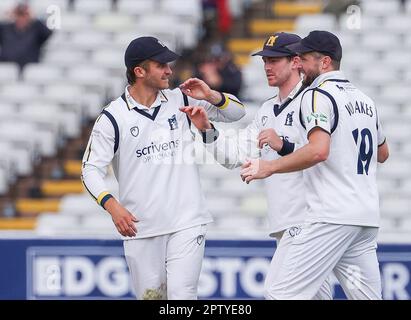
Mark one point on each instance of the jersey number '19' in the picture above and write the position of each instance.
(364, 153)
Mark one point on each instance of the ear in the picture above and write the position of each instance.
(326, 62)
(296, 62)
(139, 72)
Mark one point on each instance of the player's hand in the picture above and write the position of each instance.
(270, 137)
(196, 88)
(255, 169)
(198, 117)
(124, 221)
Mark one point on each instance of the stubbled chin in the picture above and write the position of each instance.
(166, 84)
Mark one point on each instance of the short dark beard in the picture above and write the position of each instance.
(309, 80)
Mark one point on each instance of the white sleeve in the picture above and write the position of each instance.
(230, 108)
(232, 151)
(97, 157)
(317, 111)
(380, 132)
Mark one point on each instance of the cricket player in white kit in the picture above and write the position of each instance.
(345, 142)
(274, 132)
(161, 212)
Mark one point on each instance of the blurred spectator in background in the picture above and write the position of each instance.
(220, 72)
(216, 18)
(338, 7)
(184, 67)
(22, 39)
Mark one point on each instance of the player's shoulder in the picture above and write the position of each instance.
(169, 94)
(265, 110)
(270, 99)
(269, 102)
(115, 106)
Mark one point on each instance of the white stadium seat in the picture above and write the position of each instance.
(64, 92)
(6, 6)
(395, 206)
(183, 9)
(43, 8)
(358, 24)
(35, 132)
(86, 74)
(140, 7)
(396, 94)
(401, 132)
(101, 224)
(375, 40)
(358, 58)
(379, 75)
(42, 73)
(49, 224)
(110, 58)
(7, 109)
(9, 72)
(380, 7)
(114, 22)
(19, 155)
(396, 59)
(65, 58)
(91, 40)
(80, 204)
(4, 184)
(57, 40)
(395, 168)
(92, 6)
(306, 23)
(397, 23)
(20, 92)
(387, 225)
(74, 22)
(405, 224)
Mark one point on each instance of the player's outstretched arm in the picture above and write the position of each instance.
(241, 147)
(317, 150)
(199, 90)
(219, 106)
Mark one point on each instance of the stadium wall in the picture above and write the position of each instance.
(96, 269)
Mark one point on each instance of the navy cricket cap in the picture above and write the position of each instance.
(276, 45)
(320, 41)
(144, 48)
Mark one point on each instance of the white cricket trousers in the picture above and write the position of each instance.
(319, 249)
(166, 266)
(284, 242)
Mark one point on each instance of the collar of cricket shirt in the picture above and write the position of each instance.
(334, 75)
(279, 107)
(131, 103)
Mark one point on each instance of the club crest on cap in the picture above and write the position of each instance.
(271, 41)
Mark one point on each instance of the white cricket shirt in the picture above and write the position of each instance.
(285, 192)
(343, 189)
(153, 160)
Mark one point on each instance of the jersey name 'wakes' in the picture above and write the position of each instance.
(359, 107)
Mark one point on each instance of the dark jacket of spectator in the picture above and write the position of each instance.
(221, 73)
(21, 40)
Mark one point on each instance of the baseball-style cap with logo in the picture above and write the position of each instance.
(144, 48)
(276, 45)
(320, 41)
